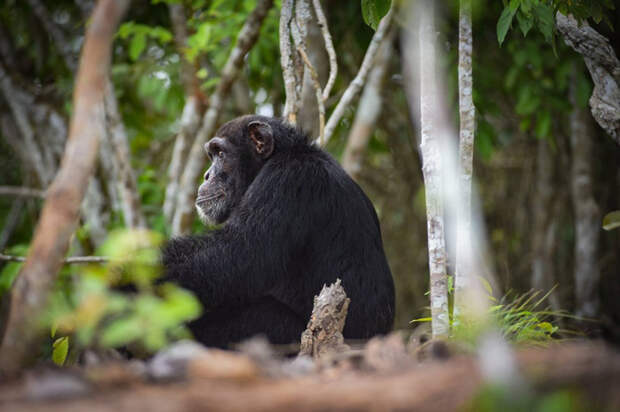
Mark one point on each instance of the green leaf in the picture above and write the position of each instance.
(611, 220)
(543, 125)
(525, 22)
(374, 10)
(546, 23)
(503, 24)
(121, 331)
(136, 46)
(60, 350)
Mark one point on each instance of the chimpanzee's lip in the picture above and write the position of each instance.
(203, 199)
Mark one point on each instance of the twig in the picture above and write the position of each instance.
(356, 85)
(329, 46)
(286, 60)
(317, 89)
(69, 260)
(21, 191)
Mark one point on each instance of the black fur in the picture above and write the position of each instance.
(301, 223)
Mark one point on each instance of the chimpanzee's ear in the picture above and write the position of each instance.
(261, 135)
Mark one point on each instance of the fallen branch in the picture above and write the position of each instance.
(358, 82)
(60, 213)
(69, 260)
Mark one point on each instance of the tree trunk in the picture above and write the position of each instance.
(61, 209)
(587, 215)
(545, 223)
(432, 168)
(467, 112)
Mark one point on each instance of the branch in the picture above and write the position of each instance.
(356, 85)
(368, 111)
(317, 88)
(190, 119)
(195, 162)
(21, 191)
(329, 46)
(286, 60)
(126, 179)
(69, 260)
(604, 68)
(60, 213)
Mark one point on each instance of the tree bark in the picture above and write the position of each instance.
(432, 130)
(61, 209)
(586, 210)
(467, 114)
(247, 37)
(604, 68)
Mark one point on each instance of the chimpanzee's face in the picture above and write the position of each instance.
(237, 152)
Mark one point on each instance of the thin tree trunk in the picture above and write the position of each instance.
(432, 168)
(586, 210)
(467, 113)
(183, 213)
(126, 179)
(61, 209)
(368, 111)
(192, 110)
(545, 224)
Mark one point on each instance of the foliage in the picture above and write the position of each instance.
(374, 10)
(541, 14)
(492, 398)
(521, 319)
(98, 314)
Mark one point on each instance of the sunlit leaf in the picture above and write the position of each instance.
(374, 10)
(60, 350)
(137, 45)
(611, 220)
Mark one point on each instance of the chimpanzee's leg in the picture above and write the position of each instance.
(224, 326)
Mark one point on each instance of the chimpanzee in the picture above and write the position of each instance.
(288, 219)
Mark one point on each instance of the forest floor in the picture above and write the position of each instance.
(382, 375)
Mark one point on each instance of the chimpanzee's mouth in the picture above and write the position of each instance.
(208, 198)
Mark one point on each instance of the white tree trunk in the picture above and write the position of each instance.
(463, 269)
(431, 158)
(587, 215)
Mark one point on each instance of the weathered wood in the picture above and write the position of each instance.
(323, 334)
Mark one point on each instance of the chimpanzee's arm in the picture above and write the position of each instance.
(244, 259)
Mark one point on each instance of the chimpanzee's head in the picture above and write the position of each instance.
(237, 152)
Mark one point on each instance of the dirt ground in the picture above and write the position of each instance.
(230, 381)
